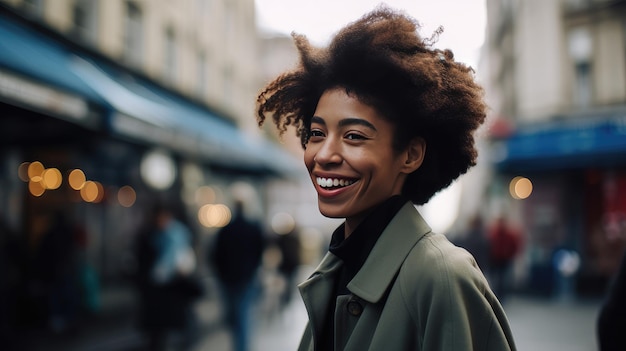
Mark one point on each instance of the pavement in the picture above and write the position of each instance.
(538, 324)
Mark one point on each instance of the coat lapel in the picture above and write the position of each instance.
(403, 232)
(318, 290)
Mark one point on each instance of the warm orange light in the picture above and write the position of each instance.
(35, 170)
(76, 179)
(100, 194)
(126, 196)
(214, 215)
(51, 178)
(36, 188)
(89, 192)
(218, 215)
(520, 188)
(22, 171)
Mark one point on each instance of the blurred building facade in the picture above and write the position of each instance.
(555, 75)
(110, 107)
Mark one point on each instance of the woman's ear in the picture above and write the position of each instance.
(414, 155)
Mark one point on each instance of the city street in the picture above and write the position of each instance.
(538, 324)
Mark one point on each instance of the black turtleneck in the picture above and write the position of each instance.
(354, 250)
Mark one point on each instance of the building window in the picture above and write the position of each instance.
(170, 56)
(575, 5)
(84, 15)
(583, 86)
(33, 7)
(133, 34)
(228, 81)
(201, 83)
(580, 47)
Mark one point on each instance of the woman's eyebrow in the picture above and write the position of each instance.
(352, 121)
(318, 120)
(345, 122)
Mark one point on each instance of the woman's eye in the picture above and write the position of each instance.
(315, 133)
(354, 136)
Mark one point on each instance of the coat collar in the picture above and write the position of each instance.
(403, 232)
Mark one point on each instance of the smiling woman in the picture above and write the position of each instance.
(386, 121)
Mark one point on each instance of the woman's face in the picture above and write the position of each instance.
(350, 158)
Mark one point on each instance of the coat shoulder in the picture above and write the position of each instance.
(435, 264)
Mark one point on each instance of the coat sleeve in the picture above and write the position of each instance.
(450, 300)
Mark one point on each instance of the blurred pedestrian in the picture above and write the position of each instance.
(387, 121)
(9, 284)
(166, 282)
(476, 242)
(289, 245)
(505, 243)
(56, 264)
(236, 257)
(611, 321)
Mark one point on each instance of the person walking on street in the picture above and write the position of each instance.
(165, 280)
(236, 257)
(504, 246)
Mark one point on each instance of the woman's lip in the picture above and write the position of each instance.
(330, 192)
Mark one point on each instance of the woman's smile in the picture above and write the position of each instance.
(334, 183)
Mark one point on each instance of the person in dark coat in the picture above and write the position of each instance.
(289, 245)
(236, 258)
(611, 321)
(165, 276)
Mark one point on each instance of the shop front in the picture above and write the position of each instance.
(90, 144)
(574, 217)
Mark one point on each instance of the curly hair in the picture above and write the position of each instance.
(383, 61)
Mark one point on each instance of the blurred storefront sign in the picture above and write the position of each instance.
(570, 143)
(33, 95)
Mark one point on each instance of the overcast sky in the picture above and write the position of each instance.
(463, 20)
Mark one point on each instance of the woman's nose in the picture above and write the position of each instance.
(328, 153)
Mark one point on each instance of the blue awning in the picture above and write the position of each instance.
(145, 111)
(35, 74)
(595, 140)
(60, 80)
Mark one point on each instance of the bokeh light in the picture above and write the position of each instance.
(283, 223)
(158, 169)
(35, 170)
(76, 179)
(520, 188)
(22, 171)
(205, 195)
(51, 178)
(92, 191)
(214, 216)
(126, 196)
(36, 188)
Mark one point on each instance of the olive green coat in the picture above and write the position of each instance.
(416, 291)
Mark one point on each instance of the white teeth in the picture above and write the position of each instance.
(330, 182)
